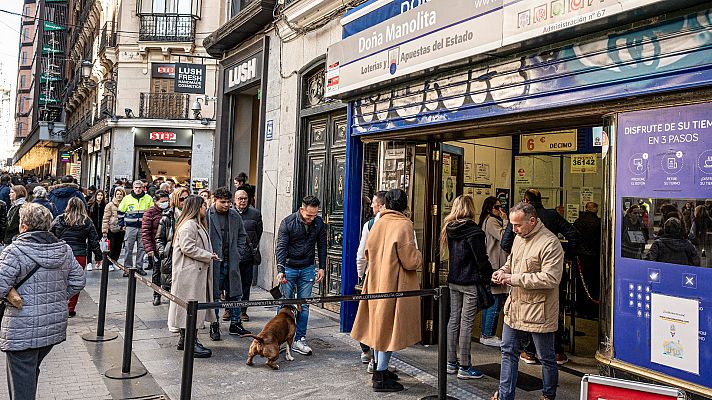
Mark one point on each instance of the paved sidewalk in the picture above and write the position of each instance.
(74, 369)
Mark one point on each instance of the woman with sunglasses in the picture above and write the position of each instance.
(164, 237)
(493, 221)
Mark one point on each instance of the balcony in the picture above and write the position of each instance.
(108, 36)
(250, 18)
(164, 106)
(167, 28)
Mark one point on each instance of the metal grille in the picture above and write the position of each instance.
(167, 28)
(164, 105)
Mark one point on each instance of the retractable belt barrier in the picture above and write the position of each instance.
(440, 294)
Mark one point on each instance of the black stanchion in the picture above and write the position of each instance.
(186, 382)
(100, 335)
(125, 372)
(443, 300)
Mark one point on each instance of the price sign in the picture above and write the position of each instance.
(583, 164)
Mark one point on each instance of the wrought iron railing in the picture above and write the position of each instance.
(164, 106)
(106, 108)
(108, 36)
(167, 28)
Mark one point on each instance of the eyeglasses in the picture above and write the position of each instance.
(497, 206)
(182, 198)
(241, 198)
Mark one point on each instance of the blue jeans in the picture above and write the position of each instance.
(224, 284)
(490, 316)
(299, 284)
(511, 348)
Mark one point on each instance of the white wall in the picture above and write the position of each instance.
(201, 162)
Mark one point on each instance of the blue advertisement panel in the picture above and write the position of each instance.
(663, 280)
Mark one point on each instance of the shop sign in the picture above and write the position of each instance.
(190, 78)
(65, 157)
(552, 142)
(583, 164)
(245, 72)
(432, 34)
(597, 136)
(269, 130)
(107, 139)
(528, 19)
(52, 27)
(594, 387)
(161, 70)
(163, 137)
(90, 146)
(374, 12)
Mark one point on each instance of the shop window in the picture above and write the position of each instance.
(180, 7)
(670, 230)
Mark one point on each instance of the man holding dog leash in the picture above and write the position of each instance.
(298, 235)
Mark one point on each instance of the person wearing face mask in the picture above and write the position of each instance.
(149, 228)
(164, 236)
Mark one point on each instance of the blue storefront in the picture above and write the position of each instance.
(589, 75)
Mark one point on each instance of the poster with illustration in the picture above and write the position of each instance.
(449, 185)
(674, 327)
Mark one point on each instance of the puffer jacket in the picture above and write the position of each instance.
(43, 318)
(47, 204)
(296, 241)
(469, 264)
(60, 194)
(164, 245)
(13, 220)
(252, 219)
(674, 250)
(149, 227)
(77, 236)
(110, 221)
(3, 219)
(536, 264)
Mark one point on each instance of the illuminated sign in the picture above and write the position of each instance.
(163, 137)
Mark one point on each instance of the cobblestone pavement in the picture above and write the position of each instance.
(333, 372)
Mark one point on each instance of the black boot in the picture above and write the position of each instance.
(215, 331)
(383, 383)
(156, 299)
(200, 351)
(181, 340)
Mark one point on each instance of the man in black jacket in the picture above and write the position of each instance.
(589, 255)
(554, 222)
(298, 235)
(3, 220)
(252, 219)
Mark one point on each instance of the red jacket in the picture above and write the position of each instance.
(149, 227)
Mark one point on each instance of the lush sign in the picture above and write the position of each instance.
(190, 78)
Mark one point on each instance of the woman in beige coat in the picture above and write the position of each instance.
(192, 269)
(493, 221)
(390, 325)
(110, 228)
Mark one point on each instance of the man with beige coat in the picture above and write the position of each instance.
(533, 270)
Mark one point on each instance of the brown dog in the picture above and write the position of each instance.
(278, 330)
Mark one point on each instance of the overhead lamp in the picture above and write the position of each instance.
(87, 66)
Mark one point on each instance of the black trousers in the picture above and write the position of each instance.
(246, 278)
(23, 371)
(155, 263)
(116, 241)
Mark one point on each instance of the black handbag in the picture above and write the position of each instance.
(3, 302)
(485, 298)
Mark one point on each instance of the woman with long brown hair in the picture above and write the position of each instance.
(75, 227)
(192, 268)
(110, 227)
(18, 196)
(468, 278)
(96, 207)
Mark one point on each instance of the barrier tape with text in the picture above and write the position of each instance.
(317, 300)
(179, 302)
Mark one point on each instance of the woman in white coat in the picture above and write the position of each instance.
(192, 269)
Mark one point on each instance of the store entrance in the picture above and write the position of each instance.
(166, 163)
(433, 173)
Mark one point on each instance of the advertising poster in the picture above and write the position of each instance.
(583, 164)
(586, 195)
(664, 170)
(572, 212)
(674, 325)
(482, 172)
(468, 173)
(503, 197)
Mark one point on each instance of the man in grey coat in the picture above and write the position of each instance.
(28, 334)
(228, 238)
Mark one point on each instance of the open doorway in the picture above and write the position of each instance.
(166, 163)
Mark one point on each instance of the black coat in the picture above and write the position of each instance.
(589, 226)
(164, 245)
(3, 219)
(252, 220)
(469, 263)
(554, 222)
(77, 236)
(296, 242)
(674, 250)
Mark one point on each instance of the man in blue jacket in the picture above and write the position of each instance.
(299, 234)
(5, 182)
(60, 194)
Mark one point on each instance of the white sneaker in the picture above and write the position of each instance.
(301, 347)
(369, 369)
(366, 357)
(90, 267)
(493, 341)
(112, 267)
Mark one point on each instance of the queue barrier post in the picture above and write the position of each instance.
(126, 372)
(186, 383)
(100, 335)
(443, 298)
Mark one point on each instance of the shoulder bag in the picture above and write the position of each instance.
(16, 299)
